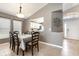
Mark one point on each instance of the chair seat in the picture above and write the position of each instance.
(31, 43)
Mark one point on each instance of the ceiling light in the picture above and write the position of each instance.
(20, 15)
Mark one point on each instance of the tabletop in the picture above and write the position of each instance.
(23, 39)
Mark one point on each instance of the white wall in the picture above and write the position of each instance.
(73, 26)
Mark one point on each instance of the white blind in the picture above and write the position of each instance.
(4, 28)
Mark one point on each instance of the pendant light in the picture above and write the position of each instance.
(20, 15)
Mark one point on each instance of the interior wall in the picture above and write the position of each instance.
(25, 26)
(47, 35)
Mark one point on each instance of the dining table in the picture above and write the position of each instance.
(24, 38)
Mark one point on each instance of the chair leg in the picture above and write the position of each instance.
(22, 52)
(14, 47)
(26, 47)
(38, 47)
(32, 50)
(17, 50)
(10, 43)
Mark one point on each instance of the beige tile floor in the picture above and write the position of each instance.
(45, 50)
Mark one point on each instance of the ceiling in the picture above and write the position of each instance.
(67, 6)
(28, 9)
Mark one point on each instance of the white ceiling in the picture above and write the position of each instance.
(28, 9)
(67, 6)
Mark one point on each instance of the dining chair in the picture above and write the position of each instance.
(16, 41)
(11, 40)
(34, 42)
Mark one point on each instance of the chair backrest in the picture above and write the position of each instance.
(15, 35)
(16, 32)
(11, 37)
(11, 33)
(35, 37)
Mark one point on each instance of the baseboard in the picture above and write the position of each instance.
(4, 40)
(72, 38)
(51, 44)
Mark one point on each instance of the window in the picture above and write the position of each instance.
(4, 28)
(17, 26)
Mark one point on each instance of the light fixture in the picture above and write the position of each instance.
(20, 15)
